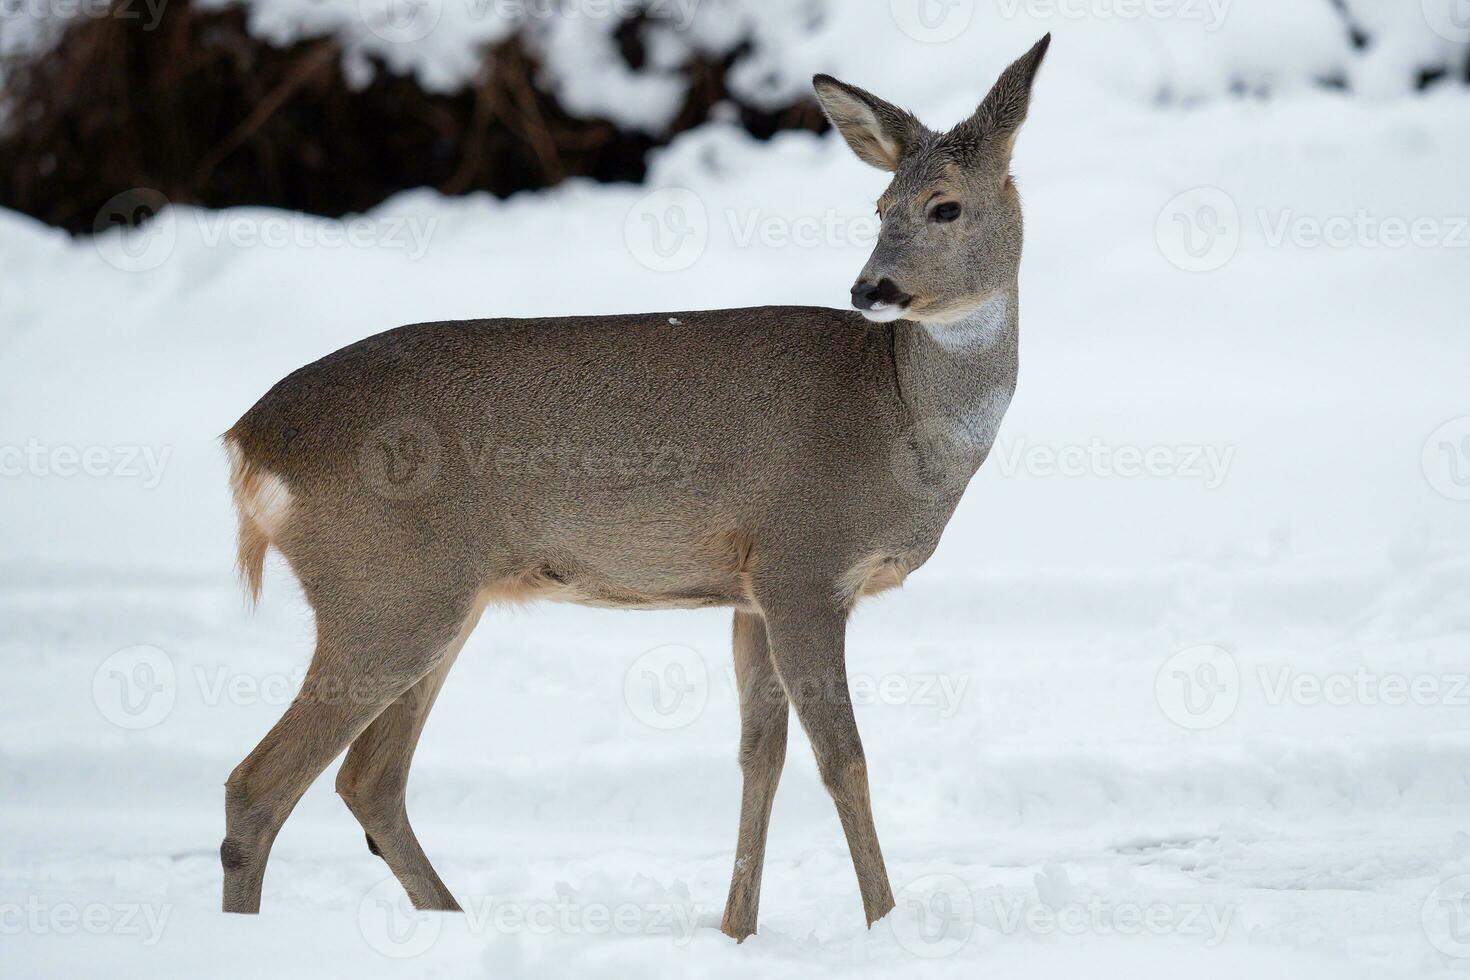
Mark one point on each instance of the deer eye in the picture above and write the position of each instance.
(948, 211)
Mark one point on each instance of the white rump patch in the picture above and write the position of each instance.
(261, 495)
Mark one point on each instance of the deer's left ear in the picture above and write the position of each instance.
(879, 132)
(993, 127)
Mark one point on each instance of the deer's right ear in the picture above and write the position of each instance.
(879, 132)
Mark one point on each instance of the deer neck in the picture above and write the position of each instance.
(956, 380)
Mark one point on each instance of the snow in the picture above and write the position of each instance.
(1183, 691)
(1187, 50)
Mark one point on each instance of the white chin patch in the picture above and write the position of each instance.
(884, 313)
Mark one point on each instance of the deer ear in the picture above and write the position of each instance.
(994, 125)
(879, 132)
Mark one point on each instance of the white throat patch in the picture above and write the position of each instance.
(884, 313)
(977, 330)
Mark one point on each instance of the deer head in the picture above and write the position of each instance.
(950, 236)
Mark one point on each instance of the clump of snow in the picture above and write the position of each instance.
(1184, 50)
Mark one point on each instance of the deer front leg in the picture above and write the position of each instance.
(763, 711)
(806, 637)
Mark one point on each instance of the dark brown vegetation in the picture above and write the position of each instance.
(202, 112)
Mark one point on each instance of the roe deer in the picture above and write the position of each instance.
(783, 461)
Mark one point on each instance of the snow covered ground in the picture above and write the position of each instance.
(1183, 692)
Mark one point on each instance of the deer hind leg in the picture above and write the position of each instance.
(807, 637)
(763, 714)
(370, 650)
(373, 782)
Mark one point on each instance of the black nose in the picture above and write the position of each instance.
(866, 295)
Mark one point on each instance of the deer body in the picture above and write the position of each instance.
(782, 461)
